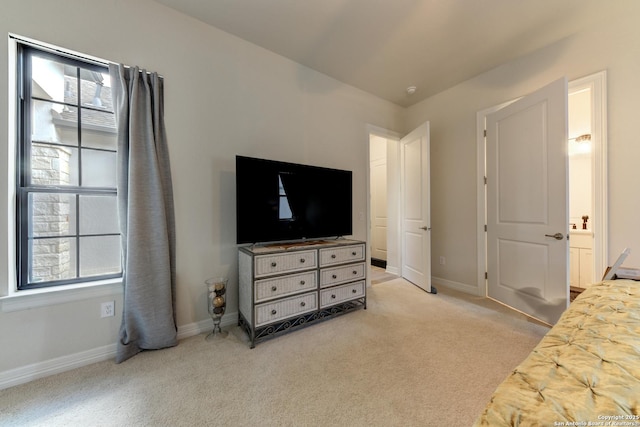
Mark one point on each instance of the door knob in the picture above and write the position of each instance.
(557, 236)
(425, 228)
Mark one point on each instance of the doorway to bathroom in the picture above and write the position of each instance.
(587, 180)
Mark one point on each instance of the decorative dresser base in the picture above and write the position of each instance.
(293, 324)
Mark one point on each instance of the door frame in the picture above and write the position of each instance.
(597, 83)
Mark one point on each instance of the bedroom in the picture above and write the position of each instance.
(249, 100)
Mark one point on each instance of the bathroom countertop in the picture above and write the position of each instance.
(580, 231)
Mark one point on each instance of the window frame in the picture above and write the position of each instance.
(23, 184)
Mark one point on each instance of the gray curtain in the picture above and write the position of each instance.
(146, 216)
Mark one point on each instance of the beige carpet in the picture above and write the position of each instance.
(410, 359)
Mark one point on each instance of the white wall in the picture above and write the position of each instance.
(612, 46)
(223, 97)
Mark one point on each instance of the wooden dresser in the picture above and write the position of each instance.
(287, 286)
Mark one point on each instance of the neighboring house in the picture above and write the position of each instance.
(224, 97)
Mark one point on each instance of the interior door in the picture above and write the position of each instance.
(416, 213)
(379, 215)
(527, 208)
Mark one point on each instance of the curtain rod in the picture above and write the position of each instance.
(55, 49)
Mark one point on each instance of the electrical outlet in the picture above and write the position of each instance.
(443, 261)
(107, 309)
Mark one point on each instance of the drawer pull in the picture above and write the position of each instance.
(273, 312)
(273, 264)
(302, 282)
(355, 272)
(334, 276)
(333, 296)
(302, 260)
(354, 291)
(333, 256)
(274, 288)
(302, 304)
(354, 253)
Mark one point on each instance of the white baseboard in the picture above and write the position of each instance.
(458, 286)
(186, 331)
(392, 270)
(25, 374)
(49, 367)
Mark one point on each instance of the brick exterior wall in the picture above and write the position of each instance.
(51, 212)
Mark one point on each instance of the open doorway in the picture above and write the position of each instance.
(587, 151)
(399, 231)
(384, 190)
(379, 215)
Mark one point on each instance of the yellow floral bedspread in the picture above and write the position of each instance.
(584, 372)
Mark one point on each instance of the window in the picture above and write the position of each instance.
(67, 226)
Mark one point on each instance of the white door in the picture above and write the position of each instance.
(379, 208)
(416, 214)
(527, 208)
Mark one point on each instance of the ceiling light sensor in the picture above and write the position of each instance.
(411, 90)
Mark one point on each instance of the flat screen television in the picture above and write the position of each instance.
(280, 201)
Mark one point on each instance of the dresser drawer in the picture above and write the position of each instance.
(266, 289)
(337, 275)
(341, 293)
(266, 265)
(281, 309)
(340, 255)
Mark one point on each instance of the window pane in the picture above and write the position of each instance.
(98, 215)
(99, 255)
(98, 129)
(52, 259)
(98, 169)
(54, 123)
(52, 80)
(52, 214)
(54, 165)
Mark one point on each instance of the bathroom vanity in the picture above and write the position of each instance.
(580, 258)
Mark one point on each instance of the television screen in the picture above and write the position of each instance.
(279, 201)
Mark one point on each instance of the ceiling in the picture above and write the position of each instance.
(385, 46)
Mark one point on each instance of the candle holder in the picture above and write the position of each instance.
(216, 289)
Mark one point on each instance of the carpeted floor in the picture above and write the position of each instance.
(410, 359)
(379, 275)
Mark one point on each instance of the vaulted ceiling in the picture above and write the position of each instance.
(385, 46)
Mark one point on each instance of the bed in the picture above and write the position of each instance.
(586, 369)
